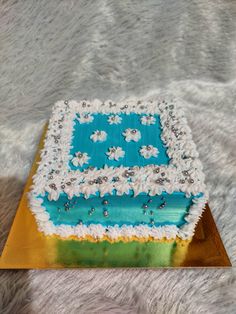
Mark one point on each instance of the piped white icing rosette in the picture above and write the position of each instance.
(98, 136)
(114, 119)
(80, 159)
(115, 153)
(148, 151)
(132, 135)
(148, 120)
(85, 118)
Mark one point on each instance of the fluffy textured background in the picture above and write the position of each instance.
(115, 49)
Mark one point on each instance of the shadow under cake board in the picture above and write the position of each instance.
(27, 248)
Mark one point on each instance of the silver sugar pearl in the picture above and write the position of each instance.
(159, 181)
(157, 170)
(182, 181)
(105, 202)
(99, 180)
(150, 200)
(80, 155)
(149, 147)
(66, 102)
(134, 131)
(105, 213)
(191, 181)
(105, 179)
(145, 206)
(126, 174)
(162, 205)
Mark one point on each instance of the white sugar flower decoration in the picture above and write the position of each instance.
(114, 119)
(98, 136)
(148, 151)
(114, 153)
(148, 120)
(80, 159)
(85, 118)
(132, 135)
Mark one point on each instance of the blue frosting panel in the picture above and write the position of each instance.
(150, 135)
(118, 210)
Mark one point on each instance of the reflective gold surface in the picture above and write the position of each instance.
(27, 248)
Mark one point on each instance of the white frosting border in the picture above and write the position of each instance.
(52, 175)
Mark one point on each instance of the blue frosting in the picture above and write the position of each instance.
(121, 210)
(150, 135)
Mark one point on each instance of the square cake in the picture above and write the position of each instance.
(118, 172)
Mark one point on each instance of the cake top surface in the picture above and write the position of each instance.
(136, 146)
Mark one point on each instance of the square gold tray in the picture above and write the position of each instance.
(27, 248)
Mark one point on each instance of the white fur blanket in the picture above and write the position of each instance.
(52, 50)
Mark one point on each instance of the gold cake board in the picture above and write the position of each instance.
(27, 248)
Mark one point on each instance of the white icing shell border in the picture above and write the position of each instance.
(184, 172)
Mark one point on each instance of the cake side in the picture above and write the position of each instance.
(60, 173)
